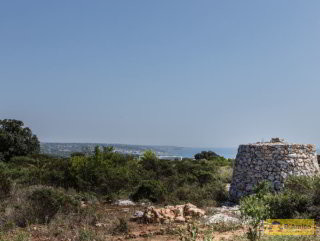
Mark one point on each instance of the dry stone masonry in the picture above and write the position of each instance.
(273, 161)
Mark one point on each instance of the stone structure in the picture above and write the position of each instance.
(272, 161)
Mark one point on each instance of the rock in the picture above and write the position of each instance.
(136, 216)
(222, 218)
(180, 219)
(125, 210)
(193, 211)
(83, 204)
(124, 203)
(99, 225)
(178, 213)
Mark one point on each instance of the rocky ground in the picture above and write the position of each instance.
(125, 220)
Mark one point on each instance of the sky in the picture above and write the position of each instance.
(205, 73)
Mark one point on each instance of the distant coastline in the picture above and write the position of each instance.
(65, 149)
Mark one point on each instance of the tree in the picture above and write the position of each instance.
(149, 160)
(108, 149)
(16, 140)
(208, 155)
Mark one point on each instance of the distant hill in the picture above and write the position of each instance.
(65, 149)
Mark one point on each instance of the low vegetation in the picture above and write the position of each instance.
(66, 198)
(111, 175)
(38, 189)
(299, 199)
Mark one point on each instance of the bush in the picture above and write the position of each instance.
(74, 154)
(216, 191)
(47, 202)
(262, 189)
(87, 235)
(300, 184)
(152, 190)
(254, 208)
(316, 191)
(225, 174)
(23, 160)
(5, 185)
(187, 193)
(287, 205)
(41, 204)
(298, 199)
(5, 181)
(210, 194)
(115, 175)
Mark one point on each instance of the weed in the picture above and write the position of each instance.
(22, 237)
(190, 234)
(86, 235)
(225, 227)
(121, 227)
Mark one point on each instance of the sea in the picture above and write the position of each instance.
(227, 152)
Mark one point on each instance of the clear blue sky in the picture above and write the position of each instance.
(169, 72)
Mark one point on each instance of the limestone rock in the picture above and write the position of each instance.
(178, 213)
(124, 203)
(222, 218)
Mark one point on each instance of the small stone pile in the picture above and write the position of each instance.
(178, 213)
(273, 161)
(229, 214)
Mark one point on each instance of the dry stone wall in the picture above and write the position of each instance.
(273, 161)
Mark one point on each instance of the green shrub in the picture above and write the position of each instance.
(152, 190)
(73, 154)
(5, 181)
(48, 201)
(23, 160)
(22, 237)
(225, 174)
(262, 189)
(287, 204)
(204, 177)
(58, 172)
(255, 209)
(216, 191)
(316, 191)
(225, 227)
(296, 200)
(187, 193)
(210, 194)
(86, 235)
(300, 184)
(115, 175)
(42, 204)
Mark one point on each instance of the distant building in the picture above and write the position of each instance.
(172, 158)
